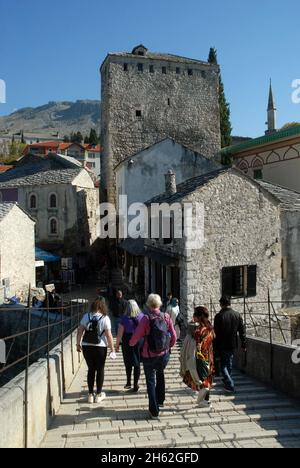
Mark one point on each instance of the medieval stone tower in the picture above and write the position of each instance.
(148, 96)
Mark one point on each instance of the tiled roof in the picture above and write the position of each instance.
(189, 186)
(289, 199)
(263, 140)
(5, 209)
(60, 176)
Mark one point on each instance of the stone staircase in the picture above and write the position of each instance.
(256, 416)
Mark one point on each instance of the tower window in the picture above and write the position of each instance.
(140, 52)
(53, 224)
(177, 71)
(169, 102)
(52, 200)
(151, 68)
(203, 74)
(138, 113)
(126, 67)
(140, 67)
(190, 72)
(164, 70)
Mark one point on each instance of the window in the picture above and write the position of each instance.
(33, 202)
(190, 72)
(140, 67)
(151, 68)
(141, 52)
(92, 155)
(52, 200)
(169, 102)
(164, 70)
(138, 113)
(203, 74)
(53, 226)
(258, 174)
(177, 71)
(239, 281)
(125, 67)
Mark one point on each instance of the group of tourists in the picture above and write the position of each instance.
(147, 336)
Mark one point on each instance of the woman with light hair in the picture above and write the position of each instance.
(131, 355)
(157, 330)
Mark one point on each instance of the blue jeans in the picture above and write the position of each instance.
(155, 379)
(116, 323)
(226, 361)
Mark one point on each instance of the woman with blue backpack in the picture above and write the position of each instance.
(131, 355)
(93, 338)
(157, 330)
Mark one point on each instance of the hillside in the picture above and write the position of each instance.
(55, 117)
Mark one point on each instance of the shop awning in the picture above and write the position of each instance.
(47, 257)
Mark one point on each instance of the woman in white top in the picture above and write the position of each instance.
(93, 337)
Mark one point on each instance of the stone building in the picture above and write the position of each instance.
(242, 250)
(61, 196)
(17, 250)
(142, 175)
(147, 97)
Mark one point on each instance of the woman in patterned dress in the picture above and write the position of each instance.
(197, 356)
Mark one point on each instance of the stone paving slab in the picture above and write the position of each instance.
(256, 416)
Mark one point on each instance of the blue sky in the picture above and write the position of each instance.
(52, 50)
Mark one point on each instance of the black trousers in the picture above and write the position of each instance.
(95, 357)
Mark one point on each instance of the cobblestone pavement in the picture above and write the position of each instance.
(256, 416)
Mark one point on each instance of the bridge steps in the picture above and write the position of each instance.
(256, 416)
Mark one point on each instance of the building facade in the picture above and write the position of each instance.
(61, 196)
(242, 251)
(17, 250)
(275, 157)
(147, 97)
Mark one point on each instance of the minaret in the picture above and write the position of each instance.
(271, 113)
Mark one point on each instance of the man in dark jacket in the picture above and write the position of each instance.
(118, 308)
(228, 325)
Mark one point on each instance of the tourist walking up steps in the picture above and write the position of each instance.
(228, 325)
(159, 336)
(93, 337)
(131, 354)
(197, 356)
(118, 307)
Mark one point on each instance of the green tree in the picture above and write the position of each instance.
(93, 139)
(86, 140)
(76, 137)
(290, 125)
(225, 123)
(66, 139)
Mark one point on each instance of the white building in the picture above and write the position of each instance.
(17, 250)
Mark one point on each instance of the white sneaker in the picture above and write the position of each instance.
(90, 398)
(100, 397)
(204, 404)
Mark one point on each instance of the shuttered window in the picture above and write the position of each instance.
(239, 281)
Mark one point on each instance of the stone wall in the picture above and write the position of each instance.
(183, 107)
(271, 364)
(12, 433)
(291, 257)
(17, 250)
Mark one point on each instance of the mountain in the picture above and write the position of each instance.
(55, 117)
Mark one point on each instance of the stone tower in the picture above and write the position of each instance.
(271, 113)
(148, 96)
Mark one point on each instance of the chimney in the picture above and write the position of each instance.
(170, 178)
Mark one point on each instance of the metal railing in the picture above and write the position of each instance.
(265, 319)
(60, 322)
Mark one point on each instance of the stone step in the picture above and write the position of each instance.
(171, 437)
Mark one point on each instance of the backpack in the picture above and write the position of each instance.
(92, 335)
(159, 337)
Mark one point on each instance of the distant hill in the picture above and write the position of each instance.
(55, 117)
